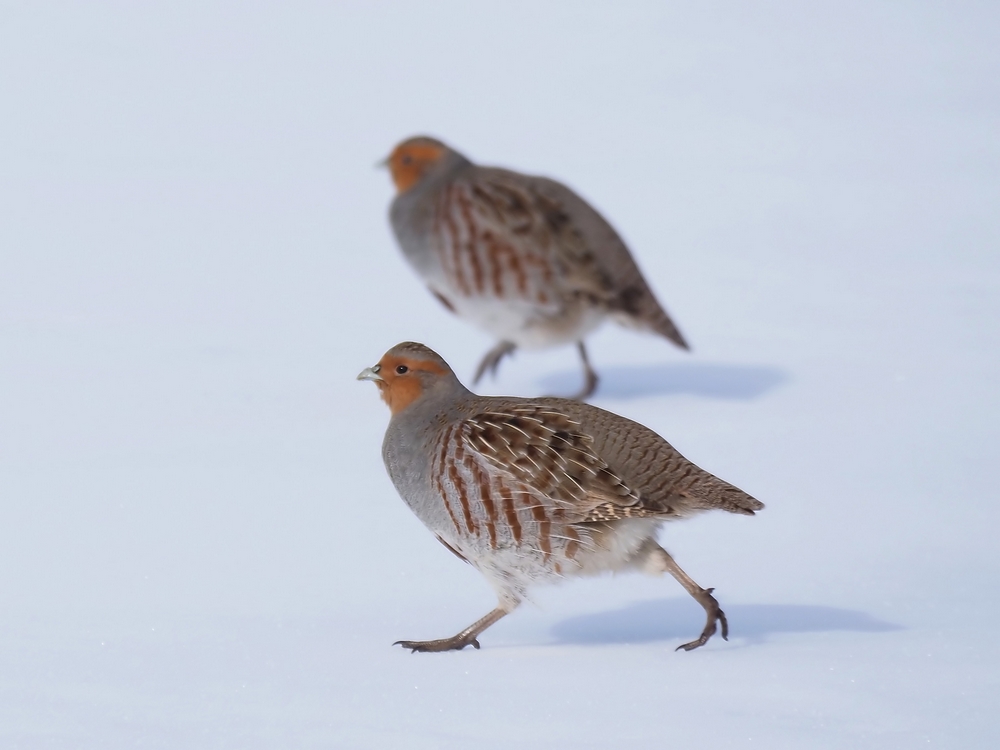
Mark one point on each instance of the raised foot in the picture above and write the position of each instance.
(589, 376)
(455, 643)
(589, 386)
(491, 361)
(714, 615)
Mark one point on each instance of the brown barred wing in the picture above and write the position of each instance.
(668, 483)
(496, 237)
(626, 293)
(542, 451)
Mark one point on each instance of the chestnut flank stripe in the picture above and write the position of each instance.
(493, 258)
(465, 207)
(514, 261)
(490, 507)
(573, 545)
(454, 236)
(510, 513)
(544, 538)
(462, 487)
(439, 473)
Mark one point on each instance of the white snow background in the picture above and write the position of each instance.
(199, 547)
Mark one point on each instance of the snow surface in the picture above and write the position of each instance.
(199, 547)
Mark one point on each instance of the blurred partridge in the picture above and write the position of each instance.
(536, 490)
(523, 257)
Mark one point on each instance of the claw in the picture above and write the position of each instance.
(446, 644)
(715, 615)
(461, 639)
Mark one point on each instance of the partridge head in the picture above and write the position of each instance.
(407, 372)
(414, 159)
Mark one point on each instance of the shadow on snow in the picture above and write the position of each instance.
(681, 618)
(736, 382)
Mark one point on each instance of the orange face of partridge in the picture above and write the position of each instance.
(411, 160)
(399, 383)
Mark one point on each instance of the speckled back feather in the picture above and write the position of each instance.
(664, 479)
(637, 474)
(544, 450)
(495, 237)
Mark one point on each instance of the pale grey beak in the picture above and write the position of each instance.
(382, 163)
(371, 373)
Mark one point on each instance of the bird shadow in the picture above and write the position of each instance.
(723, 381)
(669, 619)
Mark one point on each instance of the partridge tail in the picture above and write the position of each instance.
(661, 323)
(637, 308)
(711, 493)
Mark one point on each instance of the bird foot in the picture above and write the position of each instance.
(589, 376)
(715, 615)
(455, 643)
(491, 361)
(589, 386)
(583, 394)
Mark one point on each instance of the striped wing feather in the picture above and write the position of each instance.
(543, 450)
(630, 298)
(538, 228)
(535, 214)
(631, 472)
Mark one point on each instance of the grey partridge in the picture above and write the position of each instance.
(523, 257)
(531, 491)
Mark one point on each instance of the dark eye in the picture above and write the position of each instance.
(407, 159)
(402, 369)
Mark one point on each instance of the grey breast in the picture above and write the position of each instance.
(413, 214)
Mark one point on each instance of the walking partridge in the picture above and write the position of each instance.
(523, 257)
(536, 490)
